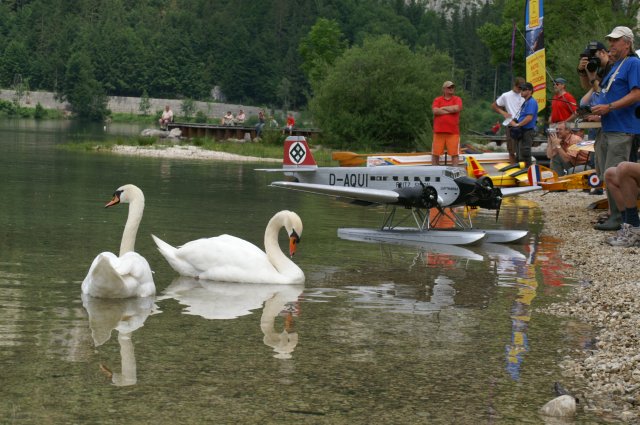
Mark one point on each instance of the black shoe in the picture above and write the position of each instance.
(610, 224)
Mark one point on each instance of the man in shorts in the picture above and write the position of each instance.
(446, 125)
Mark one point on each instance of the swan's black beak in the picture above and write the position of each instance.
(115, 200)
(294, 239)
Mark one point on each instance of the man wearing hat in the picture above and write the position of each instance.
(525, 121)
(563, 104)
(616, 101)
(446, 124)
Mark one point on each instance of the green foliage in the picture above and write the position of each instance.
(7, 108)
(200, 117)
(188, 107)
(379, 95)
(40, 112)
(145, 103)
(320, 48)
(83, 92)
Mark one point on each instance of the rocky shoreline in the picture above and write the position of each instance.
(606, 298)
(186, 152)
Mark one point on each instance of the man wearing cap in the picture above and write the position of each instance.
(615, 102)
(563, 104)
(446, 124)
(587, 77)
(508, 105)
(525, 121)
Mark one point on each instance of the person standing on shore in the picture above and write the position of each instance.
(508, 104)
(616, 102)
(446, 124)
(525, 121)
(563, 104)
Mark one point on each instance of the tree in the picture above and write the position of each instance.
(379, 95)
(83, 92)
(320, 48)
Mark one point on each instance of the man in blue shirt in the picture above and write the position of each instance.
(525, 120)
(616, 103)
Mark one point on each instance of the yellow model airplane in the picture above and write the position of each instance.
(510, 174)
(583, 180)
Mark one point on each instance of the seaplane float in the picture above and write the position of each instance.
(423, 195)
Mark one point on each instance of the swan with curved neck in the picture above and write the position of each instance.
(127, 275)
(227, 258)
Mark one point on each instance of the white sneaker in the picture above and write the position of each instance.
(627, 236)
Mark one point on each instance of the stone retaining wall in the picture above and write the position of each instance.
(132, 104)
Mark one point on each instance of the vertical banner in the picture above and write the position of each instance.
(534, 51)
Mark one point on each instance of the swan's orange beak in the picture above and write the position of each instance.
(294, 239)
(115, 200)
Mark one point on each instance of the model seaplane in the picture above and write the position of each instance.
(419, 189)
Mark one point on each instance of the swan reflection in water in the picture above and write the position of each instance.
(222, 301)
(125, 316)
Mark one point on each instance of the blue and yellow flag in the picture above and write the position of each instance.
(534, 51)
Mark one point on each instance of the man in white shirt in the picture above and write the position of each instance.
(508, 105)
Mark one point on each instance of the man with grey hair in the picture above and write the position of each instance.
(615, 101)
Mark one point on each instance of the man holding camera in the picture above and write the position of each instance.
(594, 59)
(615, 100)
(563, 158)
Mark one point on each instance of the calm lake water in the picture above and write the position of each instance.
(379, 334)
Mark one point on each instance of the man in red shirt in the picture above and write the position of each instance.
(446, 124)
(563, 104)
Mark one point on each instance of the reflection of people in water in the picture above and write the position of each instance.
(520, 316)
(125, 316)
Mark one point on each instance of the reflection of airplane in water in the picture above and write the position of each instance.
(221, 301)
(418, 189)
(125, 316)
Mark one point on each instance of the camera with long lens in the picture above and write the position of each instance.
(590, 52)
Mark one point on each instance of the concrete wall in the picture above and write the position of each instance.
(132, 104)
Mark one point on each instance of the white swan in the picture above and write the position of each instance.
(230, 259)
(129, 274)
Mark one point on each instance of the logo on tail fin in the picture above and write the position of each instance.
(297, 153)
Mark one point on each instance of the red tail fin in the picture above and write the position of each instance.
(297, 153)
(474, 169)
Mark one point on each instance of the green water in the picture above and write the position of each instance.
(379, 334)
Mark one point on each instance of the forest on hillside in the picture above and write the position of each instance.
(265, 52)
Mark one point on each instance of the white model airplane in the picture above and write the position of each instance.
(416, 188)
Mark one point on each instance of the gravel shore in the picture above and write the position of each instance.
(607, 298)
(186, 152)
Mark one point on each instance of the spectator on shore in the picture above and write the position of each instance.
(261, 123)
(228, 119)
(563, 160)
(508, 104)
(615, 101)
(241, 117)
(291, 122)
(563, 104)
(623, 187)
(446, 124)
(586, 78)
(525, 121)
(166, 118)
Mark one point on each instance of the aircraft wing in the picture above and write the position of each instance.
(358, 193)
(513, 191)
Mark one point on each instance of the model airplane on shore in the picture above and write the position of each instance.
(419, 189)
(509, 175)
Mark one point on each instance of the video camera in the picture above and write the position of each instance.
(590, 52)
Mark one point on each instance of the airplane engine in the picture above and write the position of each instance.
(418, 197)
(480, 193)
